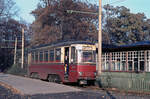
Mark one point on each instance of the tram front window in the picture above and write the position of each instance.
(88, 56)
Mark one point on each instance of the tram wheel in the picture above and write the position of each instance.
(50, 78)
(57, 79)
(54, 78)
(34, 75)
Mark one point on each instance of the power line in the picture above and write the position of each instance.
(94, 13)
(83, 12)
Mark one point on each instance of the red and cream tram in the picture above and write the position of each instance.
(72, 61)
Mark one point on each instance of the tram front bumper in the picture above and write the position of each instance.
(83, 82)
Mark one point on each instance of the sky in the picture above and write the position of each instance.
(25, 8)
(135, 6)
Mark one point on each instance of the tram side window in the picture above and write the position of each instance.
(73, 55)
(51, 55)
(36, 56)
(58, 54)
(46, 56)
(41, 56)
(33, 57)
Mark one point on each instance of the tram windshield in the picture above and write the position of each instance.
(88, 56)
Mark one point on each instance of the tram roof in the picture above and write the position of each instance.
(62, 43)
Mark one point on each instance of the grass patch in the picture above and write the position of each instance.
(17, 70)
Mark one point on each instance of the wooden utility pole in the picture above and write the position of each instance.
(22, 59)
(100, 39)
(15, 51)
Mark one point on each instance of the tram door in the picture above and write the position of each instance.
(66, 61)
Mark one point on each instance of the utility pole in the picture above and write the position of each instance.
(15, 51)
(22, 59)
(100, 39)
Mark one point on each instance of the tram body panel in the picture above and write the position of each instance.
(45, 69)
(88, 71)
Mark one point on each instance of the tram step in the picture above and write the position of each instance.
(66, 80)
(66, 77)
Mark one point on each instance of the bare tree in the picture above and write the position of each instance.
(7, 8)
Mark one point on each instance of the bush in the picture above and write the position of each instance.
(17, 70)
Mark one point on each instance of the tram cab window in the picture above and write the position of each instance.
(51, 55)
(58, 54)
(88, 56)
(41, 56)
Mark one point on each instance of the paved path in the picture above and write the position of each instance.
(29, 86)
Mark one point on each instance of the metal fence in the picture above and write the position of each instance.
(139, 82)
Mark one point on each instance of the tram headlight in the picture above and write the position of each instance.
(95, 73)
(80, 73)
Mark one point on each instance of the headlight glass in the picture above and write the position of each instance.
(95, 73)
(80, 73)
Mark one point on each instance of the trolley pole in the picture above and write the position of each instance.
(100, 39)
(22, 59)
(15, 51)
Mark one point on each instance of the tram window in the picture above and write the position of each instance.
(141, 65)
(130, 65)
(46, 56)
(73, 55)
(33, 57)
(58, 54)
(87, 56)
(41, 56)
(94, 56)
(51, 55)
(36, 56)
